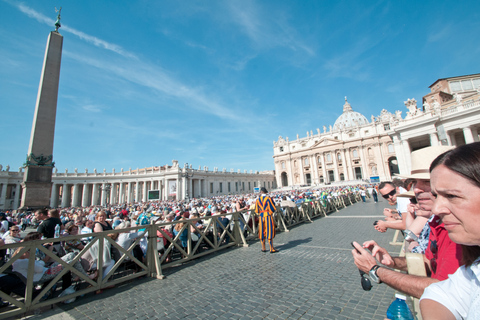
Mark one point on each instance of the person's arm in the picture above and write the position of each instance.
(409, 284)
(382, 225)
(98, 227)
(433, 310)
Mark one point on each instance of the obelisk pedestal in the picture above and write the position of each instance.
(37, 180)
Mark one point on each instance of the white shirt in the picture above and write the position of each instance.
(460, 293)
(402, 203)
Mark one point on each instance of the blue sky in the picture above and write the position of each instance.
(214, 83)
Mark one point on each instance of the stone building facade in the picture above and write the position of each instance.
(358, 149)
(75, 189)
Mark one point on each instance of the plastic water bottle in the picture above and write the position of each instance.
(57, 231)
(399, 309)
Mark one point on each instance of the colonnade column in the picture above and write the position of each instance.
(199, 188)
(313, 164)
(467, 133)
(345, 165)
(53, 196)
(407, 156)
(324, 168)
(16, 201)
(137, 191)
(3, 196)
(190, 184)
(177, 196)
(129, 192)
(363, 161)
(103, 200)
(75, 195)
(349, 167)
(95, 194)
(434, 139)
(121, 194)
(85, 195)
(113, 192)
(336, 176)
(65, 195)
(165, 190)
(144, 195)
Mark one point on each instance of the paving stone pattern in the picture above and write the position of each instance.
(312, 277)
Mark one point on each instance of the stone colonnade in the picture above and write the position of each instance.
(171, 183)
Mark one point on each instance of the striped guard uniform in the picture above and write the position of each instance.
(265, 208)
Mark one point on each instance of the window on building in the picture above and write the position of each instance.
(221, 187)
(268, 184)
(249, 186)
(283, 165)
(351, 135)
(455, 86)
(391, 149)
(339, 157)
(476, 83)
(243, 186)
(370, 152)
(355, 153)
(229, 187)
(329, 157)
(305, 161)
(255, 184)
(386, 126)
(211, 187)
(281, 149)
(236, 186)
(467, 85)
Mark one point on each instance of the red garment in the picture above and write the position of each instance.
(445, 258)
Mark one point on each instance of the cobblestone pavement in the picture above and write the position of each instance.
(312, 277)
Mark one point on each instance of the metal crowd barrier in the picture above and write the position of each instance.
(177, 249)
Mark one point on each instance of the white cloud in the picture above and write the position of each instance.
(92, 108)
(88, 38)
(264, 31)
(154, 77)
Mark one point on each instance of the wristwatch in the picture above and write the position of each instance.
(373, 274)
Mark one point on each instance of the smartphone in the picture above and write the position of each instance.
(354, 247)
(375, 223)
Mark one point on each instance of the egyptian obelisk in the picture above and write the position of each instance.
(37, 180)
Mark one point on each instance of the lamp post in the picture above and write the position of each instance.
(187, 173)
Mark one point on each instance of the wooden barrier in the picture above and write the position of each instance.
(212, 237)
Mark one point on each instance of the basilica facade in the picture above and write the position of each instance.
(356, 149)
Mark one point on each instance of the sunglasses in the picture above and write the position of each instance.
(15, 230)
(391, 193)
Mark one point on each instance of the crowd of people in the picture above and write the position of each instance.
(59, 222)
(437, 207)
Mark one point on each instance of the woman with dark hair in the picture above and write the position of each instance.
(455, 181)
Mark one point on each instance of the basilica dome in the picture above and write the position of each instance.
(349, 118)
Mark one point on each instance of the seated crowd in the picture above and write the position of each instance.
(62, 222)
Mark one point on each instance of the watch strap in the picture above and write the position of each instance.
(374, 270)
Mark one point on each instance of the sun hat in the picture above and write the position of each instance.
(408, 194)
(421, 160)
